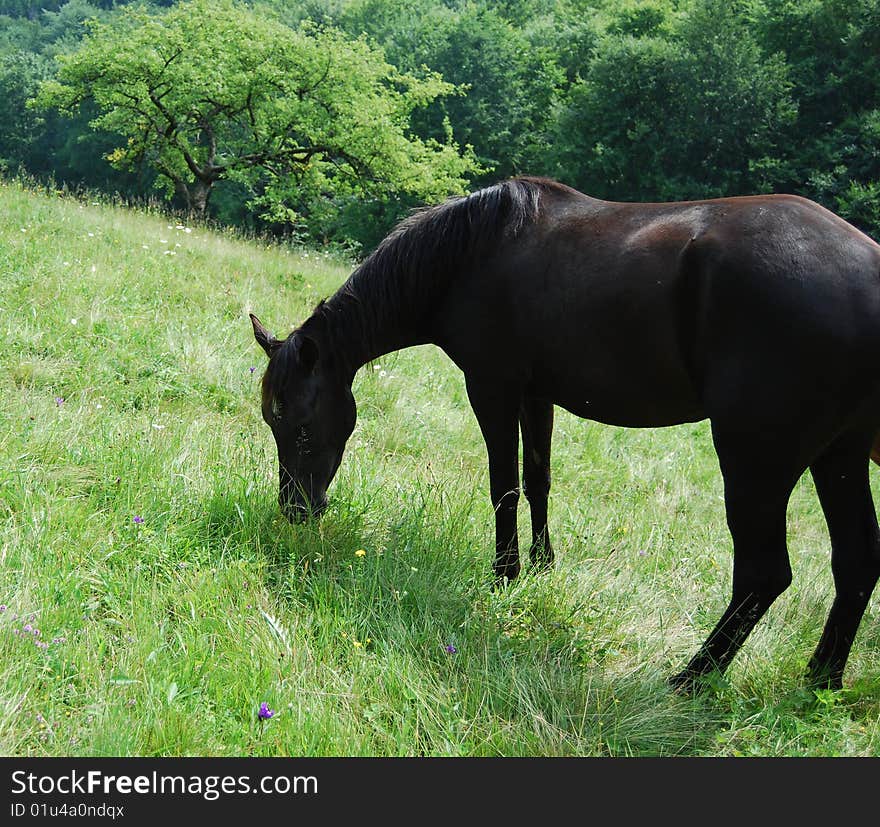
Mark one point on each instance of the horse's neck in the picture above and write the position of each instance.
(364, 325)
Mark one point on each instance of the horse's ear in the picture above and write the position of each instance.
(264, 338)
(307, 353)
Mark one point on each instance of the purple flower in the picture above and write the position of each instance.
(27, 628)
(265, 713)
(138, 519)
(450, 649)
(252, 369)
(59, 400)
(2, 608)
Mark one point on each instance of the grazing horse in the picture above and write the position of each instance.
(760, 313)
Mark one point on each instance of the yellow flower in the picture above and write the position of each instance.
(360, 553)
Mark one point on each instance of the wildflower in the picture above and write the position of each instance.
(252, 369)
(361, 552)
(2, 608)
(59, 401)
(450, 649)
(73, 321)
(27, 628)
(138, 519)
(265, 713)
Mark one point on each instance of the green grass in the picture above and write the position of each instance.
(165, 636)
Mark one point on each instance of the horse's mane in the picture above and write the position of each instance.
(435, 240)
(412, 266)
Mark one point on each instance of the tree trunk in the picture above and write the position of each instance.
(200, 192)
(195, 195)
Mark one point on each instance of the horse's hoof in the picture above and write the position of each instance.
(506, 575)
(542, 562)
(689, 684)
(822, 680)
(681, 684)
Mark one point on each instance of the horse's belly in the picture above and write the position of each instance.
(647, 401)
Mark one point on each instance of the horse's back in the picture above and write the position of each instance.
(635, 314)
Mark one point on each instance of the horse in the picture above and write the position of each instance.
(759, 313)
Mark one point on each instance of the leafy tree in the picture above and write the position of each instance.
(696, 113)
(508, 82)
(832, 48)
(211, 90)
(21, 129)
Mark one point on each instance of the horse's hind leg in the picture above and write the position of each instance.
(841, 477)
(756, 494)
(536, 423)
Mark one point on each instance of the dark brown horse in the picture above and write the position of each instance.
(761, 314)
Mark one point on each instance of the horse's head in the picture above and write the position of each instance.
(308, 404)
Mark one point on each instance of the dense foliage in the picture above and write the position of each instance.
(624, 99)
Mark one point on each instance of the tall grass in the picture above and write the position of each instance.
(139, 534)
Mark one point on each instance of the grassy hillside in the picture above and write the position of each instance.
(139, 533)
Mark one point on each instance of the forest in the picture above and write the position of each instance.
(328, 120)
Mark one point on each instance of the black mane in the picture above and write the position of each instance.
(411, 267)
(435, 240)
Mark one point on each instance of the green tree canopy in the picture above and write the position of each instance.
(210, 91)
(692, 107)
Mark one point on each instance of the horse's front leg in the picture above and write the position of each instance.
(497, 411)
(536, 422)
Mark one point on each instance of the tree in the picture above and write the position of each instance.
(21, 129)
(833, 50)
(690, 108)
(509, 81)
(211, 90)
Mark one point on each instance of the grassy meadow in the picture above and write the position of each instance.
(153, 597)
